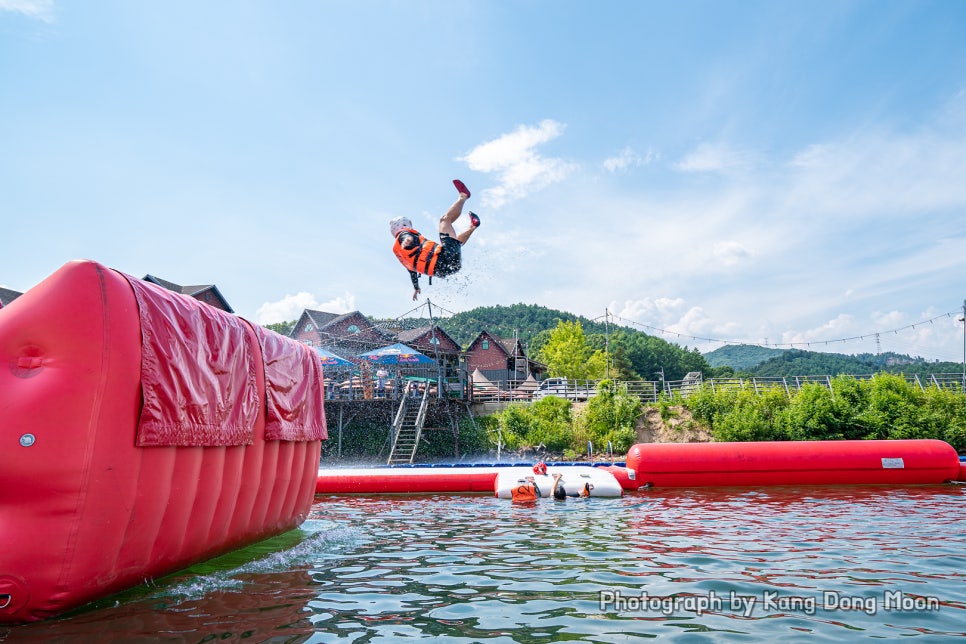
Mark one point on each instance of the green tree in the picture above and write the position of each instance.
(747, 417)
(890, 409)
(514, 425)
(546, 422)
(611, 417)
(551, 424)
(567, 354)
(282, 328)
(813, 415)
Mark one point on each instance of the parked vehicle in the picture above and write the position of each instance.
(577, 390)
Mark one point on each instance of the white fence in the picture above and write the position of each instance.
(649, 391)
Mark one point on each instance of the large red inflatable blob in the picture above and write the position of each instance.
(896, 462)
(140, 432)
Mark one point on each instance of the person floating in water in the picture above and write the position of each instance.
(423, 256)
(525, 491)
(560, 492)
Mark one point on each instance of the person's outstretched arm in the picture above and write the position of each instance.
(414, 276)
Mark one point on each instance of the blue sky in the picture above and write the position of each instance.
(784, 173)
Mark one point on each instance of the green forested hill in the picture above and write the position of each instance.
(741, 357)
(524, 321)
(809, 363)
(634, 355)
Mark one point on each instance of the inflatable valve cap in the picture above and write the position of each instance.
(13, 594)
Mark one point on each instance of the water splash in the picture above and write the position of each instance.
(315, 540)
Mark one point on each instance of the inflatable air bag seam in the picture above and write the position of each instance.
(294, 407)
(197, 372)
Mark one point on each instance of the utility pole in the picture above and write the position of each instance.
(435, 342)
(963, 320)
(607, 343)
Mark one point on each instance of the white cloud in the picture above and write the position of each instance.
(627, 158)
(876, 173)
(672, 319)
(519, 168)
(39, 9)
(714, 157)
(290, 307)
(842, 326)
(730, 253)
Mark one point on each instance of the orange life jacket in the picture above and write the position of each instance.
(422, 258)
(524, 492)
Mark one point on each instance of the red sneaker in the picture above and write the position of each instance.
(461, 187)
(474, 220)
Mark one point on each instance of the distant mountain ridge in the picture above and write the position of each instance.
(767, 362)
(532, 323)
(741, 357)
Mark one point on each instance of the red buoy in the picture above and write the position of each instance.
(897, 462)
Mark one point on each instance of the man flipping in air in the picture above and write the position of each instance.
(423, 256)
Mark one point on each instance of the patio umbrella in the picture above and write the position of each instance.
(396, 354)
(329, 359)
(482, 382)
(528, 385)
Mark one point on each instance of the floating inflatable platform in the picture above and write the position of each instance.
(861, 462)
(141, 431)
(574, 481)
(493, 479)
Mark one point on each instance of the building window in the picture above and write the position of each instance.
(434, 340)
(485, 345)
(353, 328)
(308, 327)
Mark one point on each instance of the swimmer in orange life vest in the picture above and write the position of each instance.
(422, 256)
(526, 491)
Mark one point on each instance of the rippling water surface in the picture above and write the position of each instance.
(693, 565)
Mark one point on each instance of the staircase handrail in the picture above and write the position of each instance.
(420, 419)
(400, 416)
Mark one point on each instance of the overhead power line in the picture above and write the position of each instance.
(809, 343)
(434, 312)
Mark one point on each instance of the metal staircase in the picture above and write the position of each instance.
(408, 426)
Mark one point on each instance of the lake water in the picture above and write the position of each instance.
(836, 564)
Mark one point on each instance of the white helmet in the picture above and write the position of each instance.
(398, 224)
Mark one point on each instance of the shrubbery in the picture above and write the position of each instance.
(883, 407)
(610, 417)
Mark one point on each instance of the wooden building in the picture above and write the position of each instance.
(7, 296)
(504, 362)
(345, 334)
(207, 293)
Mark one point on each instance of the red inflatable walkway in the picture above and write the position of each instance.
(439, 479)
(141, 431)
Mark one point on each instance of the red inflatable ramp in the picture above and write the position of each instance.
(133, 438)
(896, 462)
